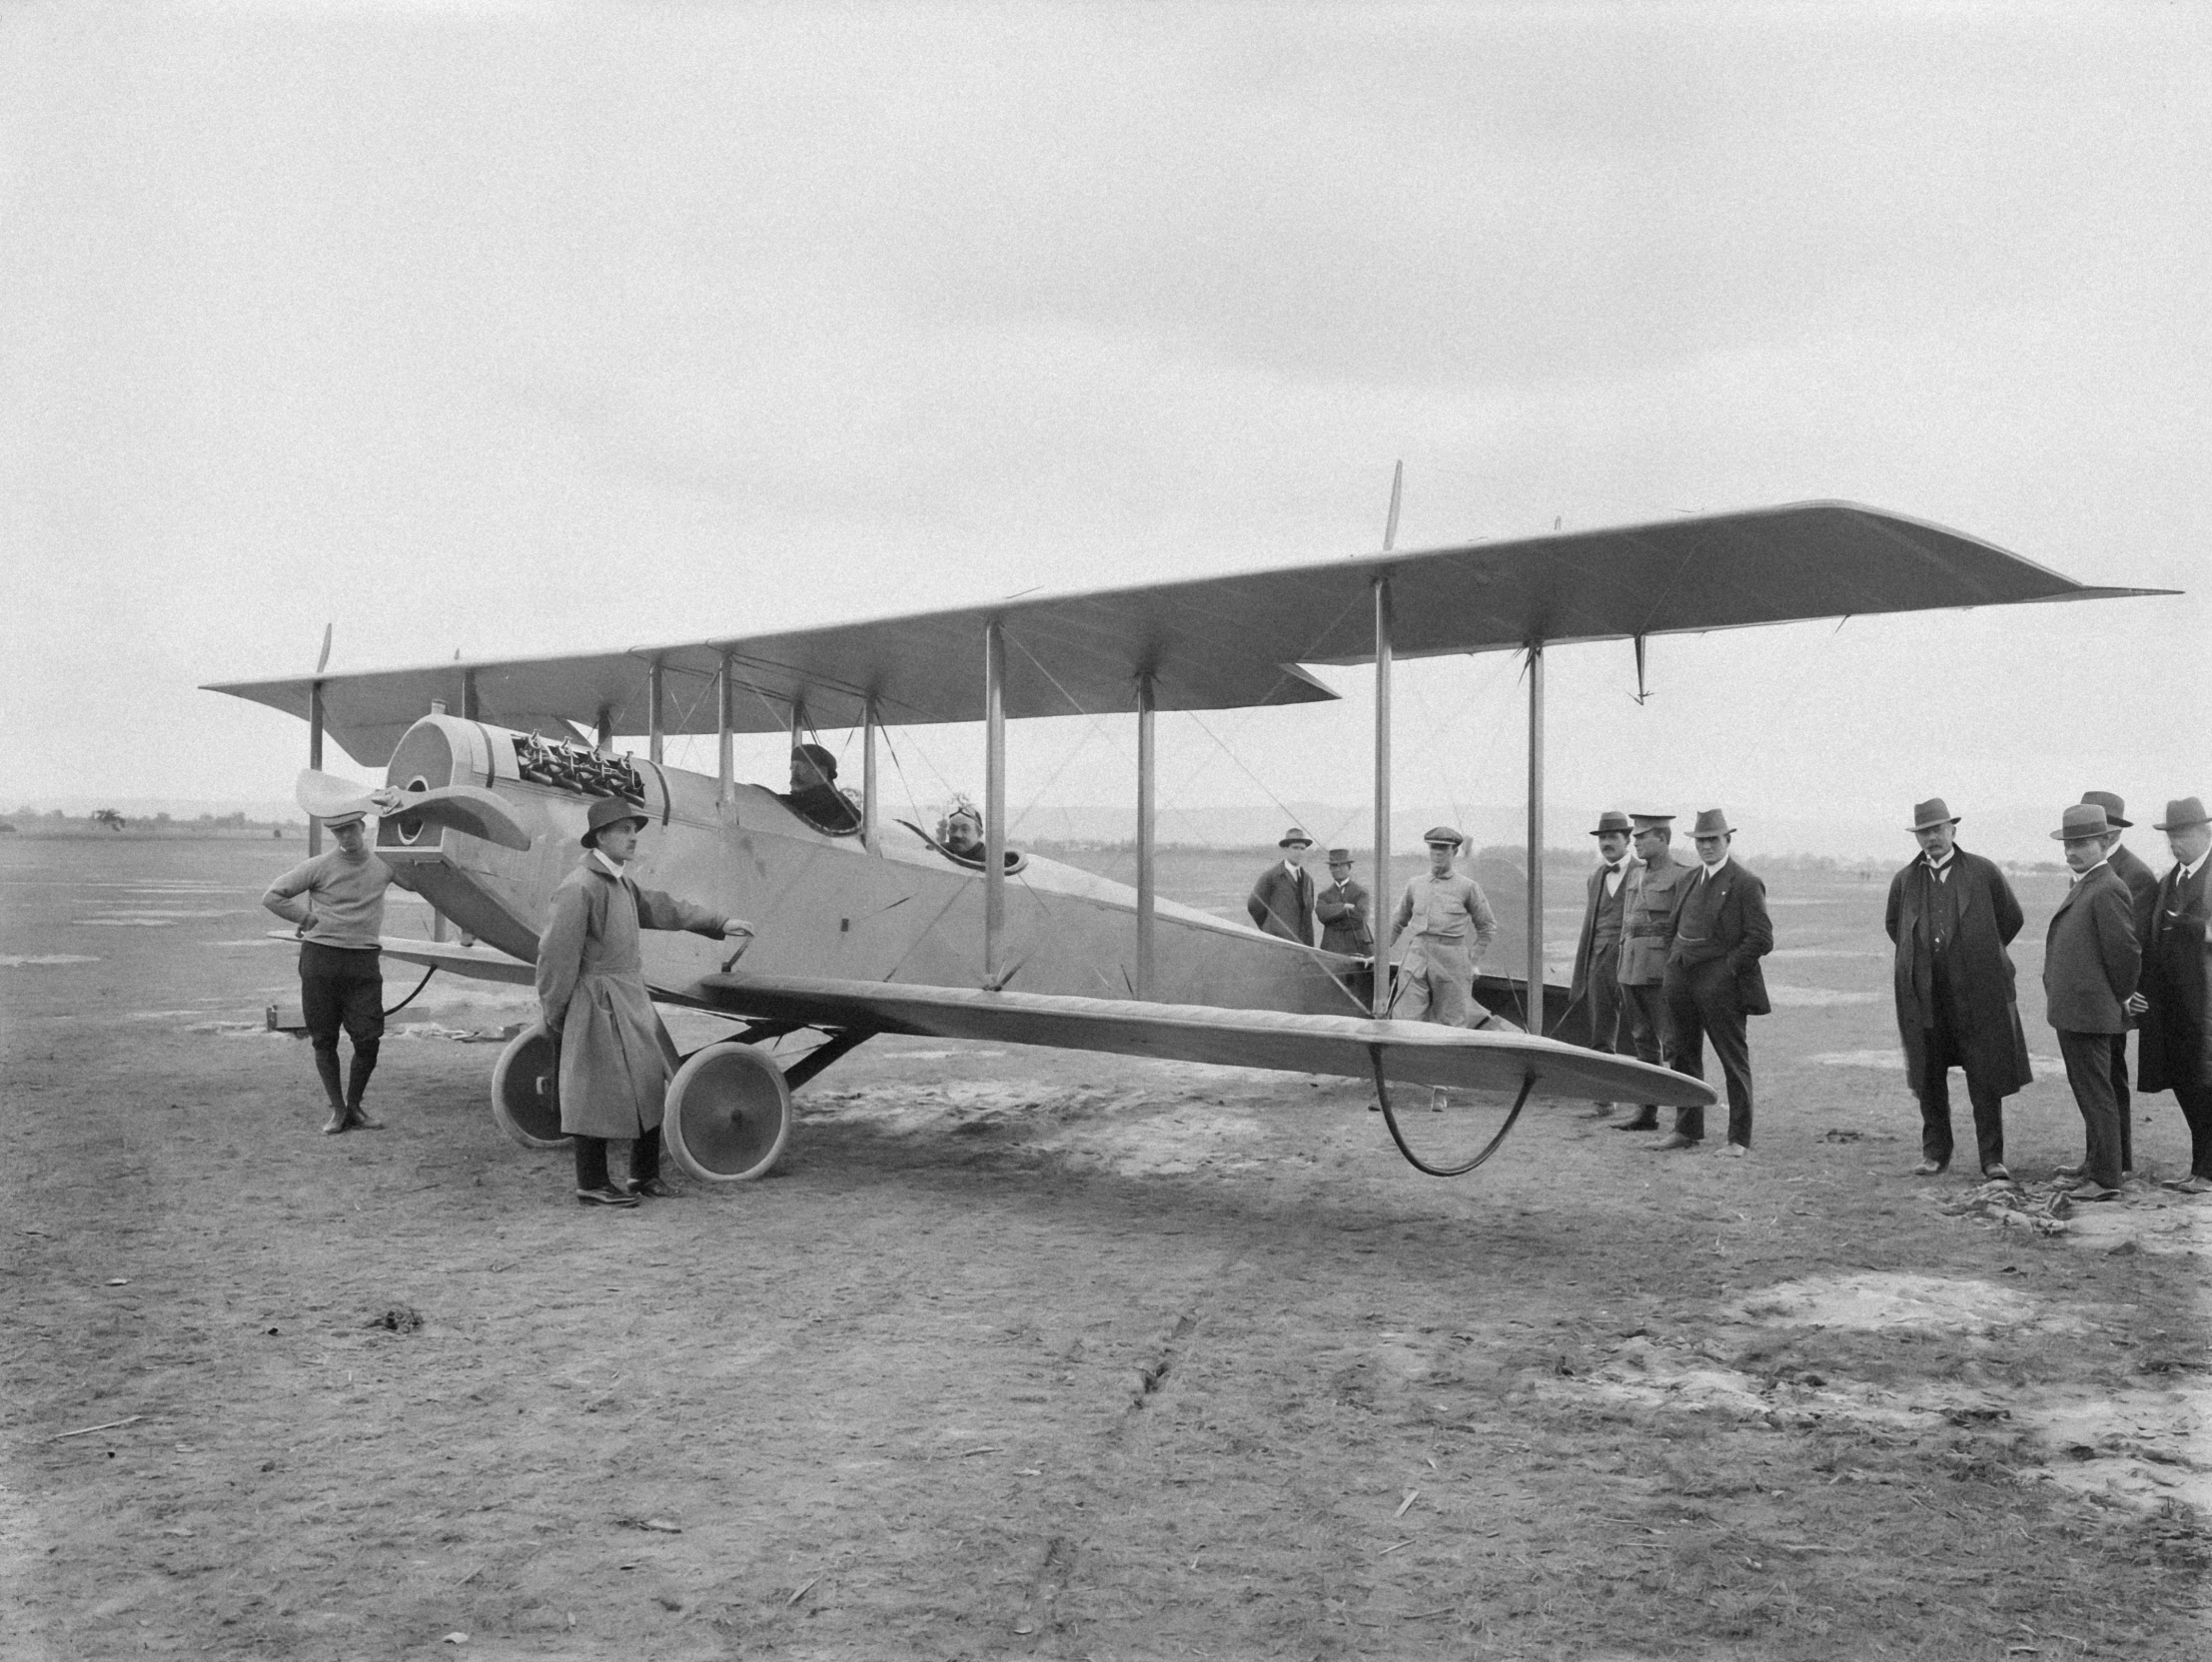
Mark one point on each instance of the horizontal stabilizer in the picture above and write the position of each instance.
(1413, 1053)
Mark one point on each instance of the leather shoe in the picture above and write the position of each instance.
(1996, 1172)
(2092, 1192)
(1737, 1150)
(1931, 1169)
(604, 1198)
(651, 1188)
(2194, 1184)
(1673, 1140)
(356, 1120)
(2066, 1171)
(336, 1123)
(1642, 1122)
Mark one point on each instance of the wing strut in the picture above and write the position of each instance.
(1535, 838)
(315, 749)
(1384, 898)
(1390, 1119)
(869, 839)
(1147, 816)
(725, 723)
(994, 800)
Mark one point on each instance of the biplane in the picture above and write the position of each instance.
(880, 929)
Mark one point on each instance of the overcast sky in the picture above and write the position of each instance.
(513, 328)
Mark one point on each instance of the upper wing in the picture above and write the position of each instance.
(1413, 1053)
(1227, 641)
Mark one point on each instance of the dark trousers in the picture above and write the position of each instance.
(341, 987)
(1702, 1005)
(1644, 1025)
(2196, 1109)
(644, 1160)
(1605, 1000)
(1935, 1117)
(2124, 1100)
(2089, 1070)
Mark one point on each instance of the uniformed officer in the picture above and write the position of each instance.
(1652, 889)
(1444, 909)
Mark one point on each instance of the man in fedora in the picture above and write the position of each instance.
(1647, 924)
(613, 1072)
(1451, 927)
(2090, 964)
(2173, 1007)
(1282, 902)
(1347, 914)
(337, 899)
(1951, 916)
(2142, 884)
(1719, 932)
(1595, 983)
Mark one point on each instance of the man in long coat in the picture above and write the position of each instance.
(2142, 884)
(1282, 902)
(1647, 924)
(1596, 977)
(613, 1072)
(2173, 1007)
(1347, 916)
(1952, 915)
(1720, 932)
(2090, 964)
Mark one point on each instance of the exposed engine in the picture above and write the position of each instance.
(567, 766)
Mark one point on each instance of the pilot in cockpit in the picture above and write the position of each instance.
(814, 795)
(961, 832)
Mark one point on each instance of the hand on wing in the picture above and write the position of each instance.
(385, 799)
(738, 934)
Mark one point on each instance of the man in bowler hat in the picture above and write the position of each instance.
(1719, 932)
(1951, 916)
(1282, 902)
(1346, 914)
(1647, 924)
(1596, 977)
(613, 1072)
(2173, 1006)
(2090, 964)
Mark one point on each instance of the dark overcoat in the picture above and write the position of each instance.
(1283, 905)
(2091, 957)
(592, 989)
(1978, 973)
(2177, 981)
(1347, 918)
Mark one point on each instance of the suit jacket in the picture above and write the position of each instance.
(1283, 906)
(1738, 930)
(2177, 979)
(1347, 918)
(2091, 957)
(1595, 899)
(1976, 970)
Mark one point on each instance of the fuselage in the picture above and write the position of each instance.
(821, 904)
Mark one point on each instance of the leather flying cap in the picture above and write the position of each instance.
(2083, 819)
(2113, 808)
(1340, 856)
(1934, 811)
(2181, 813)
(1294, 838)
(1712, 822)
(821, 758)
(1613, 819)
(610, 811)
(1442, 836)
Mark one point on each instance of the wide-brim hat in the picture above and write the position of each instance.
(1340, 856)
(2083, 819)
(1712, 822)
(2114, 809)
(2183, 812)
(1933, 812)
(1294, 838)
(1437, 834)
(610, 811)
(1613, 819)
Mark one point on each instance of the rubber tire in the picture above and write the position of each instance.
(728, 1114)
(525, 1090)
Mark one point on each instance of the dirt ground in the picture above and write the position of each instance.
(1034, 1353)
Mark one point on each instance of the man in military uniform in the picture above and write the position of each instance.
(1347, 916)
(1952, 915)
(1282, 902)
(2142, 889)
(2173, 1004)
(1597, 987)
(1452, 927)
(1647, 915)
(1720, 932)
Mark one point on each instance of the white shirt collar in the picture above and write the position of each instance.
(613, 868)
(2079, 875)
(1949, 854)
(1715, 869)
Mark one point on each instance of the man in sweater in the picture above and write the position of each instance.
(2090, 963)
(1952, 915)
(337, 899)
(2173, 1007)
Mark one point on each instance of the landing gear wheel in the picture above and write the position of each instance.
(525, 1090)
(728, 1114)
